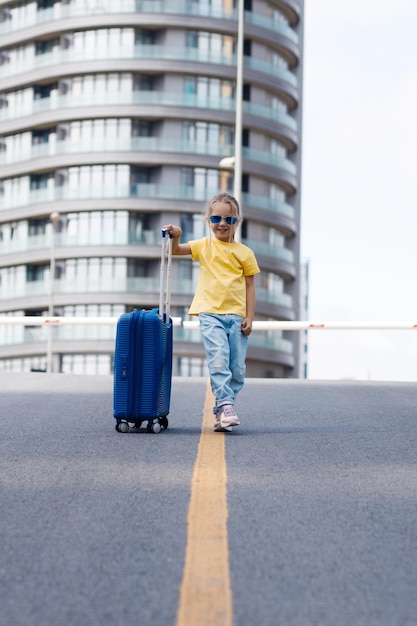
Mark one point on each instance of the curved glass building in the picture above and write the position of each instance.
(114, 117)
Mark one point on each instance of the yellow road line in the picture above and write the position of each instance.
(206, 595)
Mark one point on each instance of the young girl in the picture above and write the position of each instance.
(224, 302)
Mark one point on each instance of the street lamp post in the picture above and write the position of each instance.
(54, 219)
(237, 178)
(235, 162)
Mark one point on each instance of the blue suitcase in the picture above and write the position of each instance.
(143, 361)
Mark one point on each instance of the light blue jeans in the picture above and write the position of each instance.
(225, 347)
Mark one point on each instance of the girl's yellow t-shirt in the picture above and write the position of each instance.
(221, 285)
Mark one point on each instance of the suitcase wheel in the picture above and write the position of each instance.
(154, 427)
(164, 422)
(122, 427)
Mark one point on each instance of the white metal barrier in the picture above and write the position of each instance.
(32, 320)
(50, 321)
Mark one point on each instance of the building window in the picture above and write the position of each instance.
(39, 181)
(276, 15)
(276, 193)
(207, 133)
(45, 46)
(206, 87)
(96, 227)
(43, 91)
(276, 104)
(277, 149)
(37, 227)
(86, 364)
(204, 181)
(138, 268)
(35, 273)
(193, 225)
(45, 4)
(210, 43)
(192, 366)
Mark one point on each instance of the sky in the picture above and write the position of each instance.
(359, 185)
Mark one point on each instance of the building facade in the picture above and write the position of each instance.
(114, 117)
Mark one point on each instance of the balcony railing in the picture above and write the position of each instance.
(64, 240)
(269, 204)
(140, 286)
(176, 7)
(60, 57)
(144, 98)
(140, 190)
(140, 144)
(277, 252)
(121, 284)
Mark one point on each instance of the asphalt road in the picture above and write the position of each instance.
(322, 499)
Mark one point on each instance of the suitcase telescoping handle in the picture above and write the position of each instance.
(166, 276)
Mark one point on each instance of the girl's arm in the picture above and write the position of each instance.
(250, 305)
(177, 247)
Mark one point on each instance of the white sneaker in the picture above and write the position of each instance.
(227, 416)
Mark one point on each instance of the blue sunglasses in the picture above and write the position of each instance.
(216, 219)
